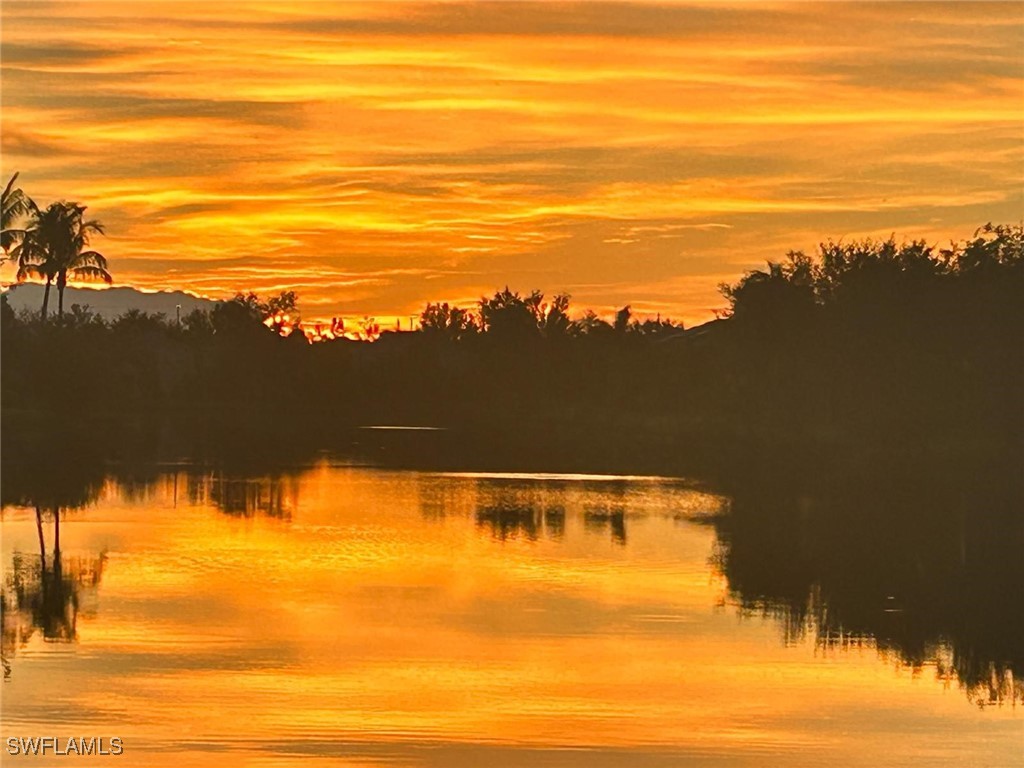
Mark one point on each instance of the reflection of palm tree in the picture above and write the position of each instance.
(56, 245)
(44, 596)
(50, 473)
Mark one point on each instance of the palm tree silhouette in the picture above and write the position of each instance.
(83, 264)
(14, 205)
(36, 252)
(56, 245)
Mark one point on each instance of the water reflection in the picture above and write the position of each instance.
(45, 593)
(515, 506)
(512, 519)
(234, 494)
(918, 572)
(612, 519)
(921, 576)
(575, 614)
(926, 573)
(64, 479)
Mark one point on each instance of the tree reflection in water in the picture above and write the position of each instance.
(45, 594)
(513, 509)
(530, 510)
(52, 474)
(610, 517)
(923, 567)
(926, 573)
(240, 495)
(924, 570)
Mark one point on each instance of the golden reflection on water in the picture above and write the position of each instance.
(370, 617)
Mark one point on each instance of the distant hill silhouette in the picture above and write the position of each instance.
(111, 302)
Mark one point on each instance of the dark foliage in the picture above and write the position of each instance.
(897, 347)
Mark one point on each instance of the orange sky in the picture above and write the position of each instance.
(374, 156)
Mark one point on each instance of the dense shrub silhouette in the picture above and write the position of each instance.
(898, 346)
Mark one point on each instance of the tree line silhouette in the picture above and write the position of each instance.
(896, 345)
(868, 341)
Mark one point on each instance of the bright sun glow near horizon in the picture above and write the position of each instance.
(376, 156)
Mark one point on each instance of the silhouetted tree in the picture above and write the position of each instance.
(246, 311)
(622, 318)
(995, 249)
(448, 321)
(656, 326)
(34, 254)
(243, 313)
(56, 245)
(592, 325)
(554, 319)
(15, 205)
(77, 259)
(509, 316)
(80, 316)
(785, 293)
(197, 323)
(281, 311)
(286, 302)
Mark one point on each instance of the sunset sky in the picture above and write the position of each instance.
(374, 156)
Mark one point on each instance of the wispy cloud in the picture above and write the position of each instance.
(405, 152)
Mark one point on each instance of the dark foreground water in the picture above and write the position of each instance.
(366, 616)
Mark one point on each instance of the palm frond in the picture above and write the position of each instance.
(57, 243)
(9, 237)
(30, 250)
(14, 204)
(91, 273)
(89, 259)
(94, 226)
(10, 184)
(26, 271)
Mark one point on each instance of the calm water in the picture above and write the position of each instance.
(374, 617)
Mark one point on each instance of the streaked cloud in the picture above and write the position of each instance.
(376, 156)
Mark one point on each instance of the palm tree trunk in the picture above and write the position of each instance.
(62, 281)
(42, 541)
(56, 535)
(46, 297)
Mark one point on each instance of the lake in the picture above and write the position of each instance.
(370, 616)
